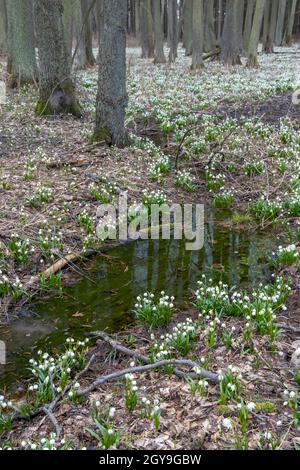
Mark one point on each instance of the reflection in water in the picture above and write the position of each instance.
(129, 271)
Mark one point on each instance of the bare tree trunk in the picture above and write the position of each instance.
(146, 29)
(137, 19)
(57, 90)
(248, 23)
(269, 44)
(197, 57)
(290, 22)
(158, 33)
(86, 9)
(255, 32)
(188, 26)
(240, 23)
(266, 24)
(280, 22)
(22, 67)
(112, 96)
(173, 29)
(230, 46)
(68, 24)
(220, 20)
(3, 27)
(210, 40)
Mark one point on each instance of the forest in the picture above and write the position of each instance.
(149, 227)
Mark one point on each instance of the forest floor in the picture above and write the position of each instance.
(228, 138)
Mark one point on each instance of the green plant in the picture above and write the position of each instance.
(106, 436)
(155, 314)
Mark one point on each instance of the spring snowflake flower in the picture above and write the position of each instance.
(227, 424)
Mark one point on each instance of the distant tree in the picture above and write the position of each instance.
(255, 33)
(56, 88)
(210, 40)
(21, 66)
(68, 17)
(172, 29)
(197, 56)
(290, 22)
(3, 27)
(188, 26)
(271, 27)
(158, 33)
(279, 36)
(112, 96)
(230, 38)
(248, 23)
(146, 25)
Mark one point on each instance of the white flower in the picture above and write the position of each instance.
(251, 406)
(227, 424)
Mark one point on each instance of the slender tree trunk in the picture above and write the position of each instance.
(146, 29)
(290, 23)
(172, 29)
(57, 90)
(269, 44)
(158, 33)
(248, 23)
(220, 20)
(280, 22)
(3, 27)
(68, 24)
(22, 67)
(197, 57)
(86, 10)
(137, 19)
(210, 40)
(255, 32)
(230, 45)
(240, 9)
(188, 26)
(266, 24)
(112, 95)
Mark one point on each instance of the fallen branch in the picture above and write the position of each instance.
(131, 370)
(129, 352)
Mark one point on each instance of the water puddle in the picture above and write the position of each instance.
(104, 299)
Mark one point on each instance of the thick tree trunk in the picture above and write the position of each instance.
(57, 90)
(146, 23)
(188, 26)
(3, 27)
(210, 40)
(112, 95)
(255, 32)
(290, 22)
(269, 43)
(248, 23)
(172, 29)
(280, 22)
(197, 57)
(230, 45)
(158, 33)
(22, 67)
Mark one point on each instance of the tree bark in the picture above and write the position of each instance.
(146, 24)
(68, 24)
(86, 9)
(269, 44)
(188, 26)
(56, 90)
(3, 27)
(290, 23)
(210, 40)
(158, 33)
(197, 57)
(22, 67)
(230, 47)
(172, 29)
(255, 32)
(112, 96)
(280, 22)
(248, 23)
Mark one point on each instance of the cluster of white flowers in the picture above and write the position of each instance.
(184, 179)
(287, 255)
(159, 167)
(4, 404)
(157, 313)
(46, 443)
(180, 340)
(153, 197)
